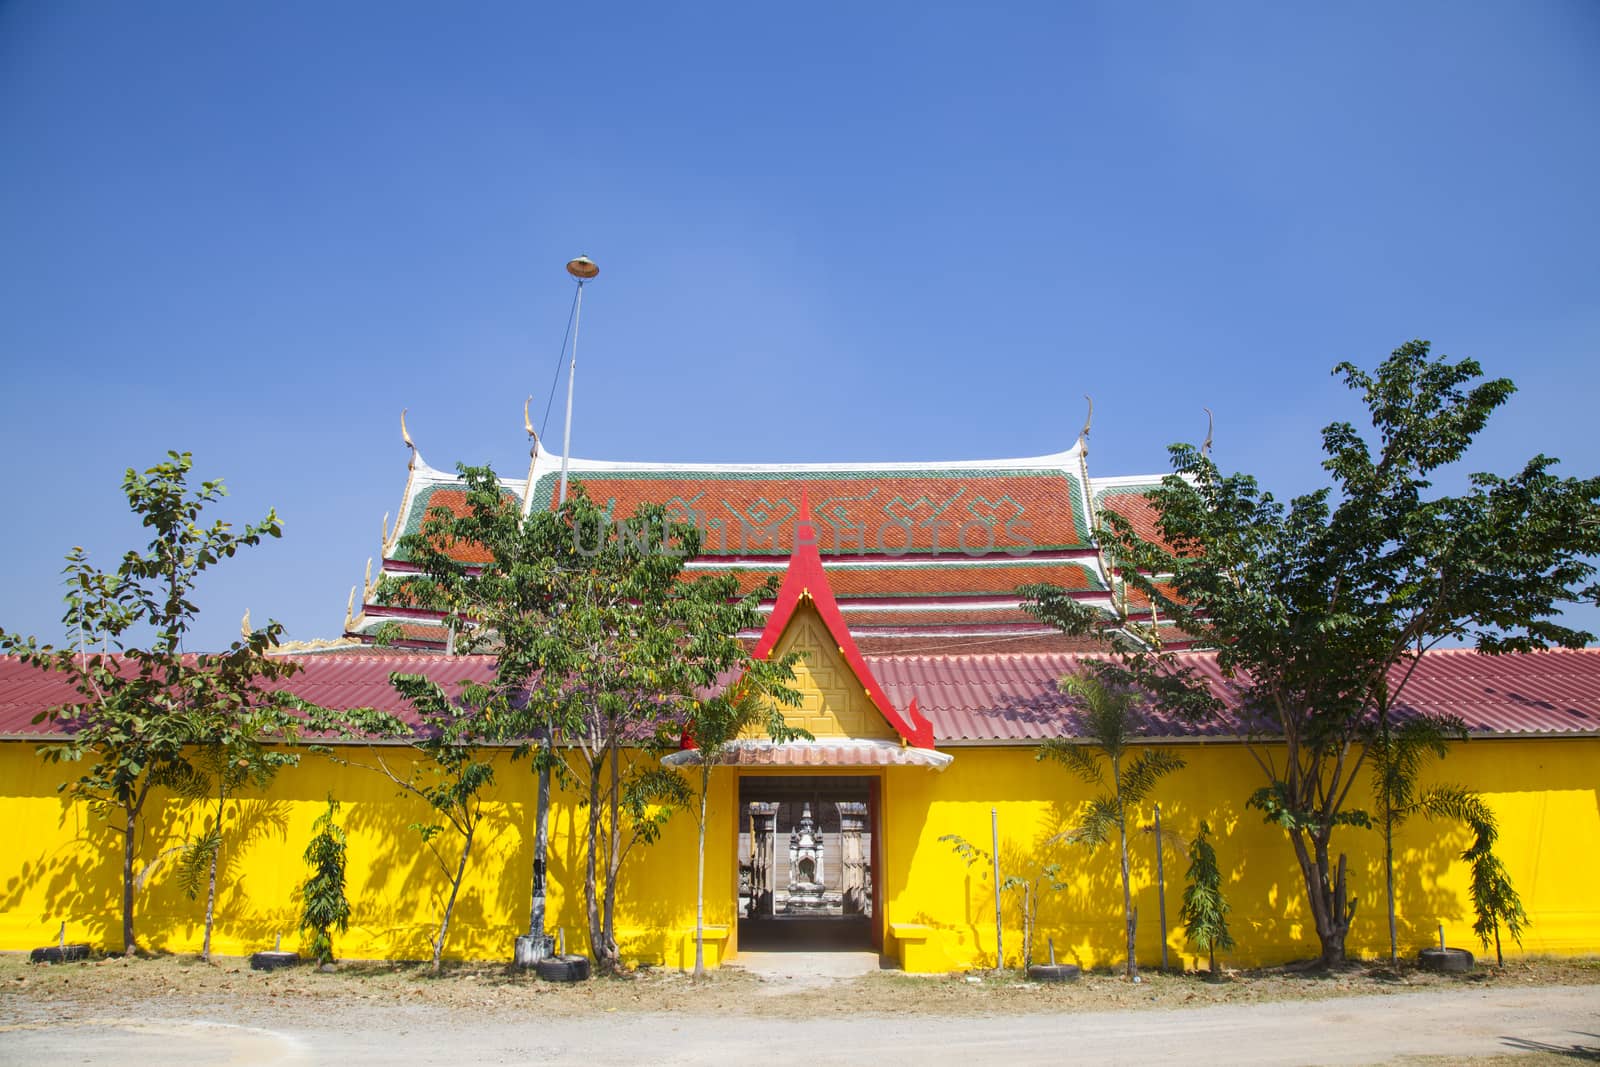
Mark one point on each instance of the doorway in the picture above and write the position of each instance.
(808, 863)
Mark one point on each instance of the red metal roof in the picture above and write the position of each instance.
(1014, 697)
(973, 698)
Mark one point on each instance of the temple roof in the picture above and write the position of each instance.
(920, 555)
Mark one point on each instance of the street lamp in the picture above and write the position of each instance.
(584, 269)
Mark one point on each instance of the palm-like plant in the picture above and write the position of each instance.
(235, 753)
(1398, 754)
(712, 726)
(1104, 724)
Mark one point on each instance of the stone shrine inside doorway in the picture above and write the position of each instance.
(806, 851)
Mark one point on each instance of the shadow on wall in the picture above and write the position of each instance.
(77, 881)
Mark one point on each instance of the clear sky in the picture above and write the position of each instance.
(827, 232)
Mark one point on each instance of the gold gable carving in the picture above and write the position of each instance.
(833, 702)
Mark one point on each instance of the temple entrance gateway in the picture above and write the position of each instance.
(807, 850)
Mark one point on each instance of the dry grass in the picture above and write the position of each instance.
(180, 984)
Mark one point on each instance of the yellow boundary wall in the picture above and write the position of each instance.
(62, 863)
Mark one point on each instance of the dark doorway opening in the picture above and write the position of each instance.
(807, 863)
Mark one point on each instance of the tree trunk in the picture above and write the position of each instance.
(1161, 890)
(1326, 895)
(211, 903)
(211, 884)
(129, 945)
(1388, 885)
(1132, 968)
(1499, 957)
(449, 906)
(700, 880)
(610, 960)
(591, 889)
(541, 854)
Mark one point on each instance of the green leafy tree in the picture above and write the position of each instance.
(501, 605)
(593, 631)
(1205, 909)
(234, 751)
(1045, 876)
(1320, 610)
(139, 698)
(445, 767)
(324, 908)
(1105, 719)
(613, 661)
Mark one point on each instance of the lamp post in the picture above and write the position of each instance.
(537, 945)
(583, 268)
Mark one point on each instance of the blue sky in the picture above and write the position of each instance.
(852, 232)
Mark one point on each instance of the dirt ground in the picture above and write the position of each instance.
(304, 995)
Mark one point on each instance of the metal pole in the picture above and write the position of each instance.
(999, 931)
(1161, 889)
(572, 370)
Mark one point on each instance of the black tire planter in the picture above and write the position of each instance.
(273, 961)
(563, 969)
(1054, 972)
(59, 954)
(1445, 960)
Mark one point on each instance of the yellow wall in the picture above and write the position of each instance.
(1545, 792)
(63, 863)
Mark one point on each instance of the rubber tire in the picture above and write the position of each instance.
(1054, 972)
(273, 961)
(563, 969)
(58, 954)
(1445, 960)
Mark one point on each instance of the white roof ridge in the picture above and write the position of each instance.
(1053, 460)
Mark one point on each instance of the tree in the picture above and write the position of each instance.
(502, 606)
(324, 907)
(446, 770)
(589, 620)
(1106, 705)
(234, 751)
(613, 660)
(140, 697)
(714, 723)
(1205, 910)
(1321, 610)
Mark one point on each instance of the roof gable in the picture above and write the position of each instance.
(805, 582)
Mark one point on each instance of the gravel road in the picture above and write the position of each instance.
(1453, 1025)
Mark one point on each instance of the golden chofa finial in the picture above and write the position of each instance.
(366, 584)
(405, 435)
(1083, 434)
(1211, 425)
(350, 609)
(385, 542)
(244, 624)
(527, 424)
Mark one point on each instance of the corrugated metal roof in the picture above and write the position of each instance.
(1015, 697)
(975, 698)
(330, 679)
